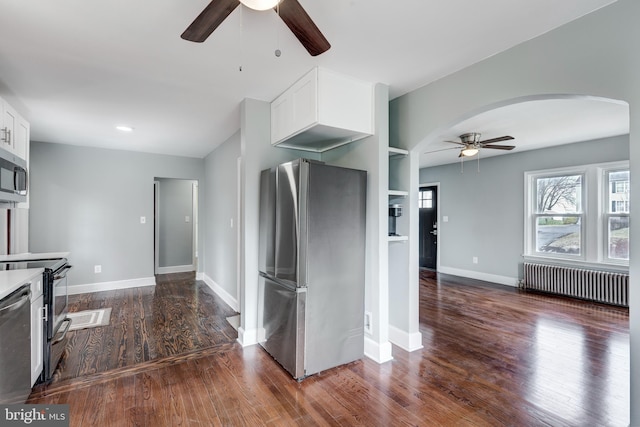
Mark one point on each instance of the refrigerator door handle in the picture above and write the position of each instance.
(288, 285)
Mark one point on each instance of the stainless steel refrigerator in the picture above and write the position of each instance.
(312, 264)
(14, 231)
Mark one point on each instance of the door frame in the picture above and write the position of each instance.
(439, 219)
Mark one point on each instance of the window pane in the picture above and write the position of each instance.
(618, 232)
(619, 191)
(559, 235)
(559, 194)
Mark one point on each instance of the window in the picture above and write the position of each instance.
(426, 199)
(617, 217)
(579, 214)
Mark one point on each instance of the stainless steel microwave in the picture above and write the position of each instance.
(13, 177)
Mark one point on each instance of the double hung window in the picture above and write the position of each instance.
(579, 214)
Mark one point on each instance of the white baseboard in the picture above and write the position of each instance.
(247, 337)
(405, 340)
(110, 286)
(226, 296)
(377, 352)
(176, 269)
(199, 275)
(494, 278)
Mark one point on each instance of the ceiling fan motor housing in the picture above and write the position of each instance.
(470, 138)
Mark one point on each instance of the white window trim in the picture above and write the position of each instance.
(594, 251)
(603, 194)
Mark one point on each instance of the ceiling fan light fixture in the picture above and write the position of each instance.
(468, 152)
(260, 4)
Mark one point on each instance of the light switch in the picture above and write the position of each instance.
(445, 219)
(143, 220)
(187, 219)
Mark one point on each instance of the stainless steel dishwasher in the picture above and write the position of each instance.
(15, 350)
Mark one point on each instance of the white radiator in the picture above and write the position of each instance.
(601, 286)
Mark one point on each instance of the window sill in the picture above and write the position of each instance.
(602, 266)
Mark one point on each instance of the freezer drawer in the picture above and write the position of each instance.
(281, 324)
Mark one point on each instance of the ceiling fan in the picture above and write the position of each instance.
(290, 11)
(471, 143)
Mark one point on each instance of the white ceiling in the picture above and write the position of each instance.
(78, 68)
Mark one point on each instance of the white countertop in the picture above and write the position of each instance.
(12, 279)
(28, 256)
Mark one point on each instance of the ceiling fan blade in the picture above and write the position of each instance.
(442, 149)
(300, 23)
(457, 142)
(498, 139)
(499, 147)
(209, 19)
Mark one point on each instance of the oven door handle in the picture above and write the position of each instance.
(66, 319)
(63, 270)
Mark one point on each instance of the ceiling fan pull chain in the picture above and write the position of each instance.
(241, 38)
(278, 52)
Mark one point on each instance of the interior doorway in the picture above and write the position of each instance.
(175, 225)
(428, 225)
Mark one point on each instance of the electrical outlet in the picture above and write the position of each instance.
(97, 269)
(475, 259)
(368, 327)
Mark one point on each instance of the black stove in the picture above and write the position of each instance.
(56, 322)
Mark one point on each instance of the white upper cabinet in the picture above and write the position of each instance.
(14, 131)
(321, 111)
(8, 127)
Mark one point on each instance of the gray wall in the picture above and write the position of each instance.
(175, 204)
(486, 208)
(595, 55)
(221, 237)
(89, 201)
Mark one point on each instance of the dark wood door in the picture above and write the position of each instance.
(428, 200)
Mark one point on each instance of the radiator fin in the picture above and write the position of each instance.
(594, 285)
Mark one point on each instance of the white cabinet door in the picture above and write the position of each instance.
(37, 337)
(8, 127)
(281, 122)
(296, 109)
(21, 142)
(304, 101)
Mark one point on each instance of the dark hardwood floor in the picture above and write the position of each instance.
(176, 316)
(492, 356)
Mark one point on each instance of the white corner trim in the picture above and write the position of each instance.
(405, 340)
(247, 338)
(199, 275)
(378, 352)
(176, 269)
(494, 278)
(110, 286)
(226, 296)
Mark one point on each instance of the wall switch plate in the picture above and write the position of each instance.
(187, 219)
(368, 327)
(475, 259)
(97, 269)
(143, 220)
(445, 218)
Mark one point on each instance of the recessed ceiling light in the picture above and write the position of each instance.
(124, 128)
